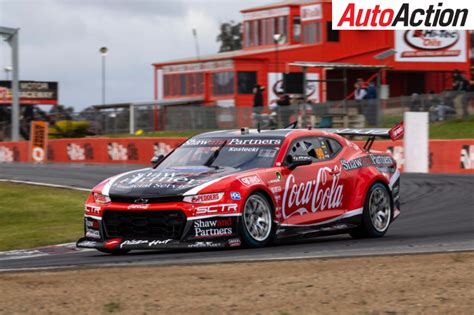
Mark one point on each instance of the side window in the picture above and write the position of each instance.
(334, 146)
(318, 148)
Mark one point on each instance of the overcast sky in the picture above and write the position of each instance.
(60, 39)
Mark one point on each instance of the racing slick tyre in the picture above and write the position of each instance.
(377, 213)
(116, 252)
(257, 227)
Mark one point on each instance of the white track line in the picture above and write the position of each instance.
(15, 181)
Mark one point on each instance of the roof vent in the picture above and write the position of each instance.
(244, 131)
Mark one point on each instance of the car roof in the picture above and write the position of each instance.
(254, 133)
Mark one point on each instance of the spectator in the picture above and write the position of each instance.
(415, 102)
(258, 99)
(283, 109)
(461, 86)
(360, 90)
(372, 112)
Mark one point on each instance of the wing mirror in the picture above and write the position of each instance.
(294, 161)
(156, 160)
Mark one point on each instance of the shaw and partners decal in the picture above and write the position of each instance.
(402, 14)
(323, 193)
(367, 161)
(213, 228)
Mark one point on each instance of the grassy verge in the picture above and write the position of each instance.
(32, 216)
(450, 129)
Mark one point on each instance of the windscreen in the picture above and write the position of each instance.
(239, 153)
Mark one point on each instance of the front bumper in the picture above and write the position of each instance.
(161, 226)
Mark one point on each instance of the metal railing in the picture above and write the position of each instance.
(357, 114)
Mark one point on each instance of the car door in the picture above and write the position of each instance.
(312, 193)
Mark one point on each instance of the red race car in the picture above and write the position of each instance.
(248, 187)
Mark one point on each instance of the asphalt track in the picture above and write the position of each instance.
(437, 216)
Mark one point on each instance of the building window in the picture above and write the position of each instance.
(297, 29)
(184, 84)
(222, 83)
(246, 81)
(333, 35)
(312, 33)
(283, 26)
(247, 34)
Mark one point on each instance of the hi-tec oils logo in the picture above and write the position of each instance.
(402, 14)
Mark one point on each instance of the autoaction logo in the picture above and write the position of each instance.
(402, 14)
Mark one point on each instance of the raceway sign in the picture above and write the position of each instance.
(402, 14)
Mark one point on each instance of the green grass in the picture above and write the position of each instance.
(450, 129)
(453, 129)
(32, 216)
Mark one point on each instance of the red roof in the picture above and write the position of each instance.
(242, 53)
(282, 4)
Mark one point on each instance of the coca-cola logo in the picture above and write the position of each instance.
(323, 193)
(431, 40)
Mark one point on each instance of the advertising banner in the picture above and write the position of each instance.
(430, 46)
(39, 141)
(445, 156)
(31, 93)
(403, 15)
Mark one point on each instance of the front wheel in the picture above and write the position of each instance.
(377, 213)
(257, 227)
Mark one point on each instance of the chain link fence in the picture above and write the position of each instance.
(355, 114)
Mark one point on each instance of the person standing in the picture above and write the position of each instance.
(461, 86)
(258, 104)
(284, 110)
(360, 94)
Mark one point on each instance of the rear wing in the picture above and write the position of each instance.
(395, 133)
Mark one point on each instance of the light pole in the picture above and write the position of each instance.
(7, 70)
(103, 51)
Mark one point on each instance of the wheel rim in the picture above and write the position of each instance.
(258, 218)
(379, 206)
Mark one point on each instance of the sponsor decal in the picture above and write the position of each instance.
(77, 152)
(6, 154)
(204, 245)
(117, 152)
(157, 180)
(311, 12)
(144, 243)
(234, 242)
(224, 208)
(323, 193)
(430, 46)
(39, 141)
(92, 210)
(267, 153)
(204, 142)
(402, 15)
(467, 157)
(213, 228)
(243, 149)
(138, 207)
(161, 148)
(235, 195)
(250, 180)
(367, 161)
(275, 189)
(253, 142)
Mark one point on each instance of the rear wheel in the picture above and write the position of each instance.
(257, 227)
(377, 213)
(114, 251)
